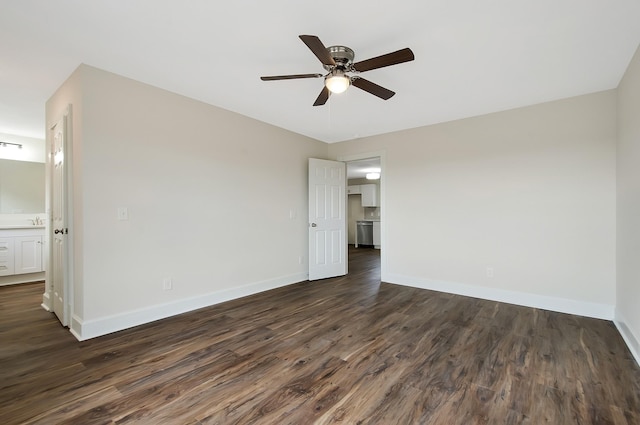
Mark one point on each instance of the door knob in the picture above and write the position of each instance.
(57, 231)
(314, 225)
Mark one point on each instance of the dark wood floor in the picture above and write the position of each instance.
(348, 350)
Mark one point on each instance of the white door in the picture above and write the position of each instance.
(59, 225)
(327, 219)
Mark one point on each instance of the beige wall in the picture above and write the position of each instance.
(355, 212)
(209, 195)
(529, 193)
(628, 210)
(68, 100)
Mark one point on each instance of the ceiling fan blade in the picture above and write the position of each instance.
(318, 49)
(322, 97)
(399, 56)
(289, 77)
(372, 88)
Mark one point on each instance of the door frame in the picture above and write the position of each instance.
(47, 297)
(382, 154)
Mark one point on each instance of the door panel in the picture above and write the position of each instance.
(28, 254)
(58, 208)
(327, 219)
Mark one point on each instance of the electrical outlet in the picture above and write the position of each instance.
(167, 284)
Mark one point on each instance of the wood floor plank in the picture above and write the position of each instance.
(345, 350)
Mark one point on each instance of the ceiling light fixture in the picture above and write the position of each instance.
(337, 81)
(7, 144)
(372, 176)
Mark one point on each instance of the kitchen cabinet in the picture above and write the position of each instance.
(376, 234)
(369, 194)
(353, 189)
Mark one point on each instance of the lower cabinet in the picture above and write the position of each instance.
(376, 234)
(7, 261)
(21, 252)
(28, 254)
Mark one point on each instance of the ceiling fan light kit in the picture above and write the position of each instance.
(337, 82)
(338, 61)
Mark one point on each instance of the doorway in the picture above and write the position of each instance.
(365, 203)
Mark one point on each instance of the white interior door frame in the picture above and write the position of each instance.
(383, 210)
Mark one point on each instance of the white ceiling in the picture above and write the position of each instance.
(359, 169)
(472, 57)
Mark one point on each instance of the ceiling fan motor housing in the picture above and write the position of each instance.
(342, 55)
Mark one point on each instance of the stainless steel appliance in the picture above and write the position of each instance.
(364, 232)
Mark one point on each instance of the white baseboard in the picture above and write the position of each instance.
(16, 279)
(87, 329)
(46, 301)
(561, 305)
(632, 341)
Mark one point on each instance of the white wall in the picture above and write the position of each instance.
(208, 192)
(528, 192)
(33, 150)
(13, 165)
(628, 208)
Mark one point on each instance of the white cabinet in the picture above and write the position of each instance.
(369, 195)
(353, 189)
(7, 261)
(376, 234)
(21, 251)
(28, 254)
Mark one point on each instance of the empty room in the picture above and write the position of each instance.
(185, 239)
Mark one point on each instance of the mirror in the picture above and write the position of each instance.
(22, 187)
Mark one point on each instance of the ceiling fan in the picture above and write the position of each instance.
(338, 61)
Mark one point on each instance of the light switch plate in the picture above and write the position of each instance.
(123, 213)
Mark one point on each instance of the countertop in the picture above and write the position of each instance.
(20, 226)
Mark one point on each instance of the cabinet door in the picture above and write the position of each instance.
(376, 234)
(6, 256)
(28, 254)
(369, 195)
(353, 190)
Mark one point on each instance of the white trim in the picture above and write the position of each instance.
(629, 338)
(93, 328)
(561, 305)
(15, 279)
(46, 301)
